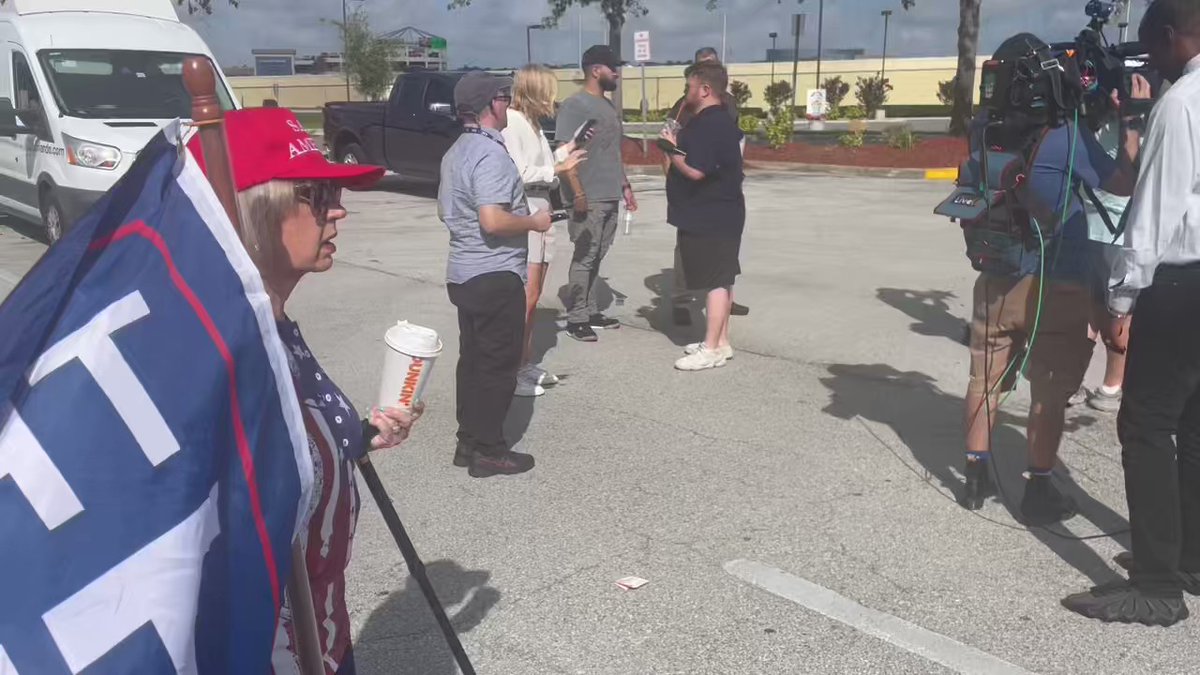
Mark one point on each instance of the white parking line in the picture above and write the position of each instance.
(8, 279)
(911, 637)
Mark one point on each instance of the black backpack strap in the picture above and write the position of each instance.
(1116, 230)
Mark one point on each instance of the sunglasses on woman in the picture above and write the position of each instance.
(321, 197)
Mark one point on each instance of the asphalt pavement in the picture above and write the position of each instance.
(791, 511)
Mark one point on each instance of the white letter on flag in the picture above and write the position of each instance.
(94, 347)
(23, 458)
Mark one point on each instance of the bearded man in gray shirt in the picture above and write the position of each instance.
(594, 214)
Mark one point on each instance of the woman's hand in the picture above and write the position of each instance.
(574, 159)
(394, 425)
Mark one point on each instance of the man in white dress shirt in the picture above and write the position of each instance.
(1159, 423)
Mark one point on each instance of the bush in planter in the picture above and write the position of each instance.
(900, 137)
(749, 125)
(853, 112)
(740, 91)
(835, 93)
(872, 93)
(854, 140)
(780, 130)
(777, 96)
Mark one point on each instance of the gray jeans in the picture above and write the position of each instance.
(593, 236)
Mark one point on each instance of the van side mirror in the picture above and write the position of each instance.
(8, 120)
(444, 109)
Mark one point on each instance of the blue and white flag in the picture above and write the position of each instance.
(152, 453)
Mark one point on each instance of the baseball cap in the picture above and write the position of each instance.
(268, 144)
(600, 55)
(476, 89)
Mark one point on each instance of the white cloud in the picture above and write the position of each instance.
(492, 32)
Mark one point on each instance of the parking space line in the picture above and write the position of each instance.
(908, 636)
(8, 279)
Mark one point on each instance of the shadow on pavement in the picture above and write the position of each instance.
(931, 309)
(545, 338)
(929, 422)
(24, 228)
(401, 636)
(660, 312)
(606, 296)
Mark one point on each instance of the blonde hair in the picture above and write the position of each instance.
(534, 92)
(263, 208)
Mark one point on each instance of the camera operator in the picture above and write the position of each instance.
(1159, 422)
(1050, 278)
(481, 199)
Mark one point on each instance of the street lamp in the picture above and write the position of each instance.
(529, 40)
(773, 35)
(345, 27)
(887, 16)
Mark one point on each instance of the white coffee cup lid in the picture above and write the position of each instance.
(413, 340)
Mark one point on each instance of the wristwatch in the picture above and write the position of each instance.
(1135, 123)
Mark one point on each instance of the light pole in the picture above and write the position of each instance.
(773, 35)
(529, 40)
(345, 29)
(887, 17)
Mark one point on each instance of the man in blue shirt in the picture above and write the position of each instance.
(1052, 275)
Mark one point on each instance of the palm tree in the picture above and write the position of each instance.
(964, 79)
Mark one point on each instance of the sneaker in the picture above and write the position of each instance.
(581, 332)
(603, 322)
(1078, 397)
(506, 463)
(1189, 580)
(726, 351)
(739, 310)
(977, 485)
(526, 389)
(703, 359)
(534, 374)
(1122, 602)
(463, 455)
(1099, 400)
(1043, 504)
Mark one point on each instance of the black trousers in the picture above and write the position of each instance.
(1159, 428)
(491, 325)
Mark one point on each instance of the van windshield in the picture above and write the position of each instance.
(122, 84)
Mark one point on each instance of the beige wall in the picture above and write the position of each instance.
(915, 82)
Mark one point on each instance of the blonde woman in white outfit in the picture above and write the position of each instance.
(534, 93)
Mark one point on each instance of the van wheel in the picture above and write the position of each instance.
(53, 218)
(352, 153)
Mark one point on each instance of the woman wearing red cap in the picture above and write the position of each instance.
(289, 197)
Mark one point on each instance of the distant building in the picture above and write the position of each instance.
(413, 49)
(274, 62)
(811, 54)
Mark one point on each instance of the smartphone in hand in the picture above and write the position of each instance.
(584, 133)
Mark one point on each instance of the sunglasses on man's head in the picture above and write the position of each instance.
(321, 197)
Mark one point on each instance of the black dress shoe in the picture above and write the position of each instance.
(739, 310)
(978, 485)
(1189, 580)
(505, 463)
(1122, 602)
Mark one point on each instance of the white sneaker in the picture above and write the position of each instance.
(703, 359)
(535, 374)
(726, 351)
(528, 389)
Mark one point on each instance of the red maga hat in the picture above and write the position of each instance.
(268, 144)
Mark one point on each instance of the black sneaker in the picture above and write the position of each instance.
(603, 322)
(581, 332)
(739, 310)
(505, 463)
(1189, 580)
(1122, 602)
(978, 485)
(463, 455)
(1043, 504)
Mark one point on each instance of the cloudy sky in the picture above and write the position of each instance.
(492, 32)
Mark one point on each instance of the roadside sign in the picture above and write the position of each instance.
(816, 104)
(438, 43)
(641, 46)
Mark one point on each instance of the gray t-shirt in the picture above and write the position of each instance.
(602, 175)
(477, 172)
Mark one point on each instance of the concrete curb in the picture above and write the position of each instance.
(827, 169)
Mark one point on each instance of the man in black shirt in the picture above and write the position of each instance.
(706, 204)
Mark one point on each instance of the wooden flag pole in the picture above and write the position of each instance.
(201, 83)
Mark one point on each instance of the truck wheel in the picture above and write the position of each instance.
(352, 153)
(53, 219)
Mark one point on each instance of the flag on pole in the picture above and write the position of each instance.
(152, 455)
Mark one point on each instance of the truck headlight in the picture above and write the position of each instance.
(91, 155)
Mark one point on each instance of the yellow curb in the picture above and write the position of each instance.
(941, 174)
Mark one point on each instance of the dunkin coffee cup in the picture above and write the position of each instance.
(411, 352)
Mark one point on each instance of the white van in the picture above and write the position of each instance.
(91, 82)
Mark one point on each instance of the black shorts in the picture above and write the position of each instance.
(708, 262)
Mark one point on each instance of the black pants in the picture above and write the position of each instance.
(491, 325)
(1159, 427)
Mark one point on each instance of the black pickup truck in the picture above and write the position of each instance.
(409, 133)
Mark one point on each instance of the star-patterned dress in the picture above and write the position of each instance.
(335, 440)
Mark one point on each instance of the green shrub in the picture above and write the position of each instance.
(872, 93)
(900, 137)
(651, 115)
(777, 96)
(740, 91)
(853, 112)
(945, 91)
(780, 130)
(749, 125)
(835, 93)
(853, 141)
